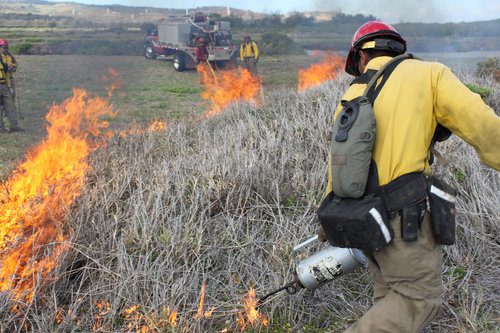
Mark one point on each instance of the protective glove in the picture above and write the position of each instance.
(321, 234)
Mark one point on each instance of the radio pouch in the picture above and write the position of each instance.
(442, 200)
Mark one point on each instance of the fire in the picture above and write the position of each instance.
(251, 316)
(103, 308)
(35, 199)
(228, 86)
(318, 73)
(155, 126)
(203, 314)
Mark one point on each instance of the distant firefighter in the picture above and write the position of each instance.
(249, 54)
(8, 67)
(201, 51)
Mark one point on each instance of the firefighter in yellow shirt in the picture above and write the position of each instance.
(416, 97)
(249, 54)
(8, 67)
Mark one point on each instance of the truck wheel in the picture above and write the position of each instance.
(149, 53)
(179, 61)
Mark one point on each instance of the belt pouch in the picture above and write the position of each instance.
(442, 200)
(356, 223)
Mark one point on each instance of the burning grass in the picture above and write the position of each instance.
(327, 69)
(226, 87)
(173, 227)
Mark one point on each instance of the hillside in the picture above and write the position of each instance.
(41, 27)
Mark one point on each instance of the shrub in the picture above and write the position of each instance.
(491, 67)
(21, 48)
(275, 44)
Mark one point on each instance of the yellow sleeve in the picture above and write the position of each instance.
(255, 50)
(3, 75)
(466, 115)
(11, 62)
(242, 52)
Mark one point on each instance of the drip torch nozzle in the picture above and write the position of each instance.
(291, 288)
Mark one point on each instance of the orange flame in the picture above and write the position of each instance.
(155, 126)
(200, 313)
(318, 73)
(35, 199)
(251, 317)
(228, 86)
(103, 308)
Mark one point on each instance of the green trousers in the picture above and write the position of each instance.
(251, 65)
(407, 284)
(9, 107)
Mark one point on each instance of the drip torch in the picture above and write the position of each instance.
(321, 267)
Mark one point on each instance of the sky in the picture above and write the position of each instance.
(391, 11)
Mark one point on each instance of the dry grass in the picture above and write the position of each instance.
(223, 201)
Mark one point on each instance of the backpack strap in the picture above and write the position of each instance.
(364, 78)
(372, 90)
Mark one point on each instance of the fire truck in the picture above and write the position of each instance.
(177, 37)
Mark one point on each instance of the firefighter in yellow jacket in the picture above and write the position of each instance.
(417, 96)
(249, 54)
(8, 67)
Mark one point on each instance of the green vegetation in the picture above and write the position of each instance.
(182, 90)
(482, 91)
(278, 44)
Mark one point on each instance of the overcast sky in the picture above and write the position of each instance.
(392, 11)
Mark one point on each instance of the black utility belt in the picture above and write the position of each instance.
(365, 223)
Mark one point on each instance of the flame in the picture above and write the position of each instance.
(35, 199)
(155, 126)
(103, 308)
(228, 86)
(318, 73)
(251, 316)
(200, 313)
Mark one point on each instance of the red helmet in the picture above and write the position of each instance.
(4, 42)
(384, 36)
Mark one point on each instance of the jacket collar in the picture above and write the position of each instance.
(377, 63)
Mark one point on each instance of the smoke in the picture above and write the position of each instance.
(416, 11)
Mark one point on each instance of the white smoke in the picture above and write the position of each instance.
(426, 11)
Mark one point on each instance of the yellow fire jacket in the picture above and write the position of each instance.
(3, 68)
(249, 50)
(417, 96)
(6, 76)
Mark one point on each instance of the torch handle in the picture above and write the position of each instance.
(303, 245)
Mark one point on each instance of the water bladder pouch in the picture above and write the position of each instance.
(352, 146)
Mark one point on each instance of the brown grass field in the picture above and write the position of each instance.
(220, 201)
